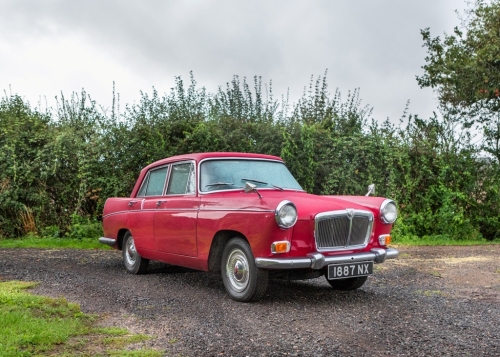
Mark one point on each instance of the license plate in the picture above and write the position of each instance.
(341, 271)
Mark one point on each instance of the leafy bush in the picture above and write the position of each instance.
(58, 167)
(84, 228)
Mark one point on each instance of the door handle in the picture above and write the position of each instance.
(131, 203)
(158, 204)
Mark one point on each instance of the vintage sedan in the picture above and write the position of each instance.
(246, 216)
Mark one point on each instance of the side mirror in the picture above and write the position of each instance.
(371, 190)
(250, 187)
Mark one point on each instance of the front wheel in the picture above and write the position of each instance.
(133, 262)
(242, 279)
(348, 284)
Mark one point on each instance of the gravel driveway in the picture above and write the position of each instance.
(432, 301)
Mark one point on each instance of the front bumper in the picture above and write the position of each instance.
(319, 261)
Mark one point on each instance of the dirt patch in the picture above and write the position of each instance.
(432, 301)
(466, 272)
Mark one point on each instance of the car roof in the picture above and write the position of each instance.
(208, 155)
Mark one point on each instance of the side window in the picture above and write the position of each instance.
(142, 190)
(182, 179)
(155, 182)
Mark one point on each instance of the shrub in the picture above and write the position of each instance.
(58, 167)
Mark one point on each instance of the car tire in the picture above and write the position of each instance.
(242, 279)
(132, 261)
(348, 284)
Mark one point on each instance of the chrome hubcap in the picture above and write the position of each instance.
(130, 252)
(237, 270)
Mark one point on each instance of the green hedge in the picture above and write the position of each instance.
(58, 166)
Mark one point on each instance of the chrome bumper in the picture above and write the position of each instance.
(319, 261)
(108, 241)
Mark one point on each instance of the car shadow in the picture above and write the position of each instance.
(163, 268)
(279, 290)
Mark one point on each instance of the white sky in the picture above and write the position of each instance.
(49, 46)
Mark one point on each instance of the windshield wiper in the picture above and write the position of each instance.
(262, 182)
(219, 184)
(253, 180)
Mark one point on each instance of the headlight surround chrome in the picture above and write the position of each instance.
(286, 214)
(388, 212)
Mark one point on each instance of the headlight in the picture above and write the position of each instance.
(388, 211)
(286, 214)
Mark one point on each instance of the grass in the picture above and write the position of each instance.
(33, 325)
(440, 240)
(51, 243)
(31, 241)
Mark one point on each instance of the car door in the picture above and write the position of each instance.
(175, 217)
(141, 217)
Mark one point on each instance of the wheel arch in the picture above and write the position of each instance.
(217, 247)
(120, 236)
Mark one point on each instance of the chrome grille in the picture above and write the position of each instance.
(343, 229)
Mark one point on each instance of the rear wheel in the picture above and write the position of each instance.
(242, 279)
(133, 262)
(348, 284)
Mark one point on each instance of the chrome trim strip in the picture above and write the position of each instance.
(174, 209)
(107, 241)
(128, 211)
(115, 213)
(237, 210)
(318, 261)
(192, 209)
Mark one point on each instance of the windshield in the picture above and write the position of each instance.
(230, 174)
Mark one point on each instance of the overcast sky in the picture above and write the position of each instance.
(49, 46)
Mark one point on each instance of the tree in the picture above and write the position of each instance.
(464, 68)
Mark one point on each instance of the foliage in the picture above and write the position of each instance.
(58, 167)
(464, 67)
(84, 228)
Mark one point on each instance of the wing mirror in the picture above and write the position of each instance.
(250, 187)
(371, 190)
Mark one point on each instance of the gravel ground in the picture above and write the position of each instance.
(432, 301)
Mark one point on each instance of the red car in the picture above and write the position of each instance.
(246, 216)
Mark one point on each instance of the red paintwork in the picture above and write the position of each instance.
(180, 228)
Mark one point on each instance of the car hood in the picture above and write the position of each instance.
(308, 205)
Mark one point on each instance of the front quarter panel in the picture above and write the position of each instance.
(242, 213)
